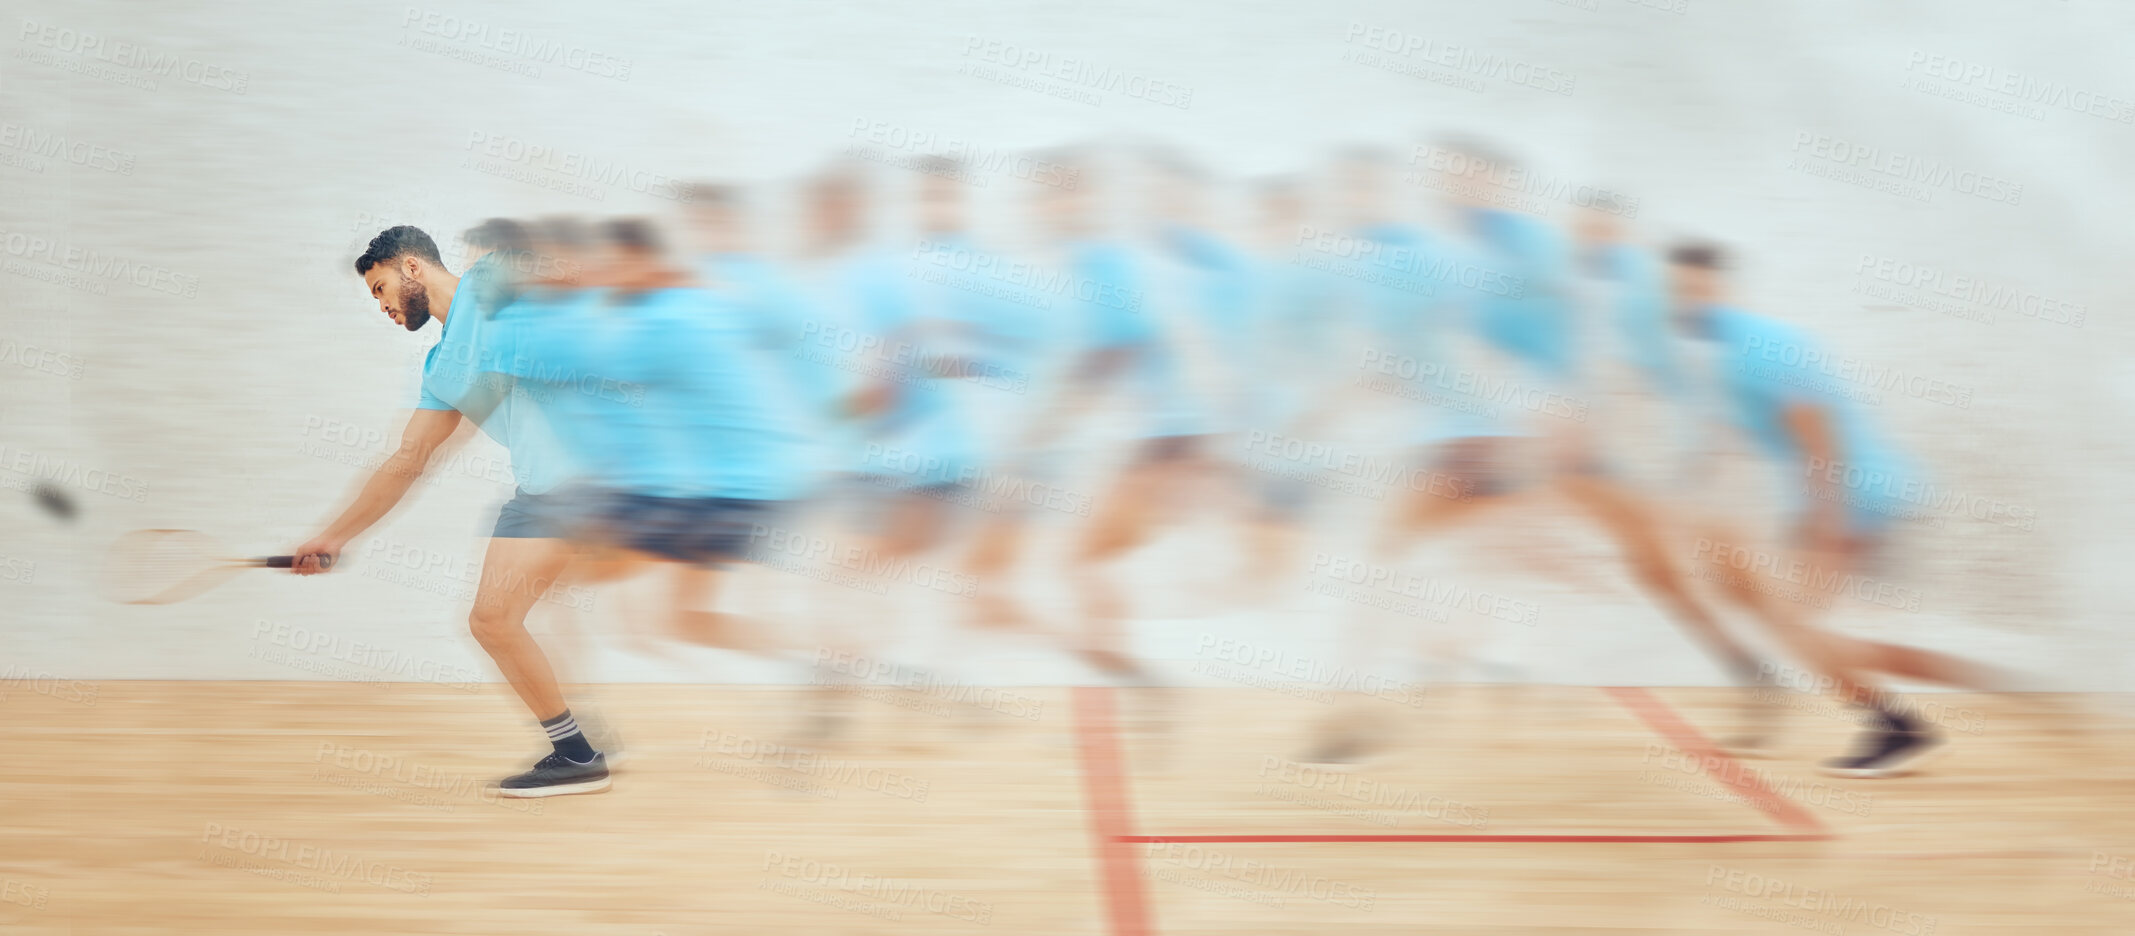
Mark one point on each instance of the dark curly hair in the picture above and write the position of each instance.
(396, 242)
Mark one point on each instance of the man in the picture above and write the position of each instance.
(1764, 373)
(1290, 353)
(691, 445)
(527, 552)
(1117, 346)
(1496, 312)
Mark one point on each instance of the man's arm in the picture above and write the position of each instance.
(389, 482)
(1812, 429)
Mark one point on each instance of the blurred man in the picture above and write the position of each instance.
(528, 550)
(1291, 359)
(1031, 335)
(1119, 348)
(779, 320)
(1208, 304)
(732, 263)
(922, 447)
(1840, 485)
(925, 384)
(695, 451)
(1509, 290)
(1408, 311)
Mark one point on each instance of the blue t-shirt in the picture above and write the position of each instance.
(1226, 302)
(557, 348)
(713, 414)
(666, 394)
(778, 318)
(1291, 356)
(840, 348)
(1641, 316)
(1106, 289)
(1417, 294)
(458, 374)
(1768, 367)
(1532, 321)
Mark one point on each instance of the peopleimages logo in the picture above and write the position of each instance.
(1077, 74)
(86, 47)
(501, 154)
(1971, 295)
(1862, 480)
(511, 47)
(1462, 59)
(1900, 172)
(2020, 88)
(97, 264)
(1496, 181)
(59, 146)
(67, 473)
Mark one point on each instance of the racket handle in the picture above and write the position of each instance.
(284, 562)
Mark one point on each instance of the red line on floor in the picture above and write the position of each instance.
(1526, 838)
(1104, 780)
(1712, 761)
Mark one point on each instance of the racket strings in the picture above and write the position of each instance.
(152, 564)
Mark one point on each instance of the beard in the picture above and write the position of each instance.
(414, 304)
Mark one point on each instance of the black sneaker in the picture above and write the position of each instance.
(1885, 752)
(1342, 749)
(602, 735)
(557, 775)
(1757, 719)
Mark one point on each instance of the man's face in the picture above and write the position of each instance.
(624, 266)
(1063, 212)
(1363, 192)
(1282, 215)
(713, 226)
(1471, 180)
(1693, 288)
(835, 211)
(399, 293)
(941, 204)
(1176, 198)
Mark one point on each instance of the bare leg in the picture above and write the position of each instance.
(695, 591)
(515, 574)
(1122, 524)
(1637, 531)
(994, 552)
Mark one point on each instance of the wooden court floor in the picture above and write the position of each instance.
(256, 807)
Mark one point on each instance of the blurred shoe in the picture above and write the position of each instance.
(1342, 750)
(1756, 718)
(1886, 752)
(557, 775)
(826, 714)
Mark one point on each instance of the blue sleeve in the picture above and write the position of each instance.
(545, 345)
(433, 376)
(885, 306)
(1114, 279)
(673, 338)
(1203, 249)
(430, 401)
(1642, 318)
(1780, 365)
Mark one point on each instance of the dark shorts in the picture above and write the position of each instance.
(534, 516)
(1479, 466)
(1284, 498)
(1168, 448)
(704, 531)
